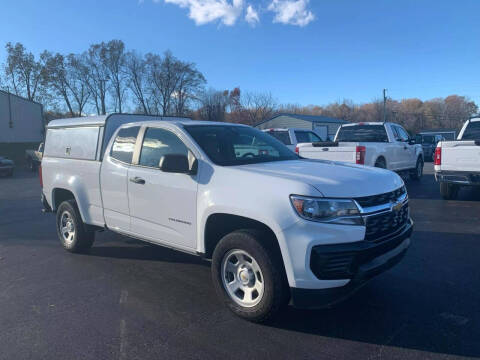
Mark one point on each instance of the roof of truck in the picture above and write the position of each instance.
(100, 120)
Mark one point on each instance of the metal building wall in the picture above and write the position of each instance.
(291, 122)
(21, 121)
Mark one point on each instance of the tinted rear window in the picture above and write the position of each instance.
(472, 132)
(362, 133)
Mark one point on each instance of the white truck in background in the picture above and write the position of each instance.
(277, 228)
(291, 137)
(384, 145)
(457, 163)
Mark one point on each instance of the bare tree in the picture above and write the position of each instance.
(213, 105)
(136, 75)
(164, 78)
(23, 72)
(54, 76)
(112, 56)
(76, 73)
(97, 76)
(258, 106)
(190, 82)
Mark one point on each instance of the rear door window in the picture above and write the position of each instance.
(124, 144)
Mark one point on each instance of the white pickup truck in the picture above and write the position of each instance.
(457, 163)
(276, 227)
(383, 145)
(291, 137)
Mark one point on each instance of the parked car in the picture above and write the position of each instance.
(457, 163)
(34, 157)
(383, 145)
(429, 143)
(7, 166)
(274, 225)
(292, 137)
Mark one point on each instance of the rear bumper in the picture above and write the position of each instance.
(459, 177)
(365, 260)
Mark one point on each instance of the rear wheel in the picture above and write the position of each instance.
(380, 163)
(10, 173)
(71, 230)
(449, 191)
(249, 276)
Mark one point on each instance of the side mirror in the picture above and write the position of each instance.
(411, 141)
(177, 163)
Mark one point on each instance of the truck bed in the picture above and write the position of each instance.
(334, 151)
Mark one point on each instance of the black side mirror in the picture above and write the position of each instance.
(176, 163)
(411, 141)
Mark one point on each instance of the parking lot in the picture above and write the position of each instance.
(132, 300)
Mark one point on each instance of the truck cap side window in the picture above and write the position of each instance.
(124, 144)
(157, 143)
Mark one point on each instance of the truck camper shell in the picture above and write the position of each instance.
(86, 138)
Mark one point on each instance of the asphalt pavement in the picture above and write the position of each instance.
(132, 300)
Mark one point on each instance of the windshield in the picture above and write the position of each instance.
(238, 145)
(362, 133)
(472, 132)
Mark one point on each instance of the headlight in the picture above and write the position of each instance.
(336, 211)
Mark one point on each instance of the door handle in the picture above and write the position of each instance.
(137, 180)
(405, 147)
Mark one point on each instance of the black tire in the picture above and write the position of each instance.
(417, 173)
(276, 292)
(31, 165)
(449, 191)
(81, 239)
(380, 163)
(10, 173)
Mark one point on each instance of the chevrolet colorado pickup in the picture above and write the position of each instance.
(276, 227)
(383, 145)
(457, 163)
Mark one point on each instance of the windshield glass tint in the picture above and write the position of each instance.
(362, 133)
(472, 132)
(237, 145)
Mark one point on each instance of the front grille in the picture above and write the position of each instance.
(384, 224)
(375, 200)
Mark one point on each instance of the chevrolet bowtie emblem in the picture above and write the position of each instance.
(397, 206)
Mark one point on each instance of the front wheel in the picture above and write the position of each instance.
(71, 230)
(418, 172)
(449, 191)
(249, 276)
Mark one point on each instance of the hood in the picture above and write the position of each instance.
(332, 179)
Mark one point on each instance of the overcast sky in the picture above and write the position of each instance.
(306, 52)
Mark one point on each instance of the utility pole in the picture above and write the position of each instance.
(10, 122)
(384, 105)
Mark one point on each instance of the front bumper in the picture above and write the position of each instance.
(6, 169)
(360, 261)
(468, 178)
